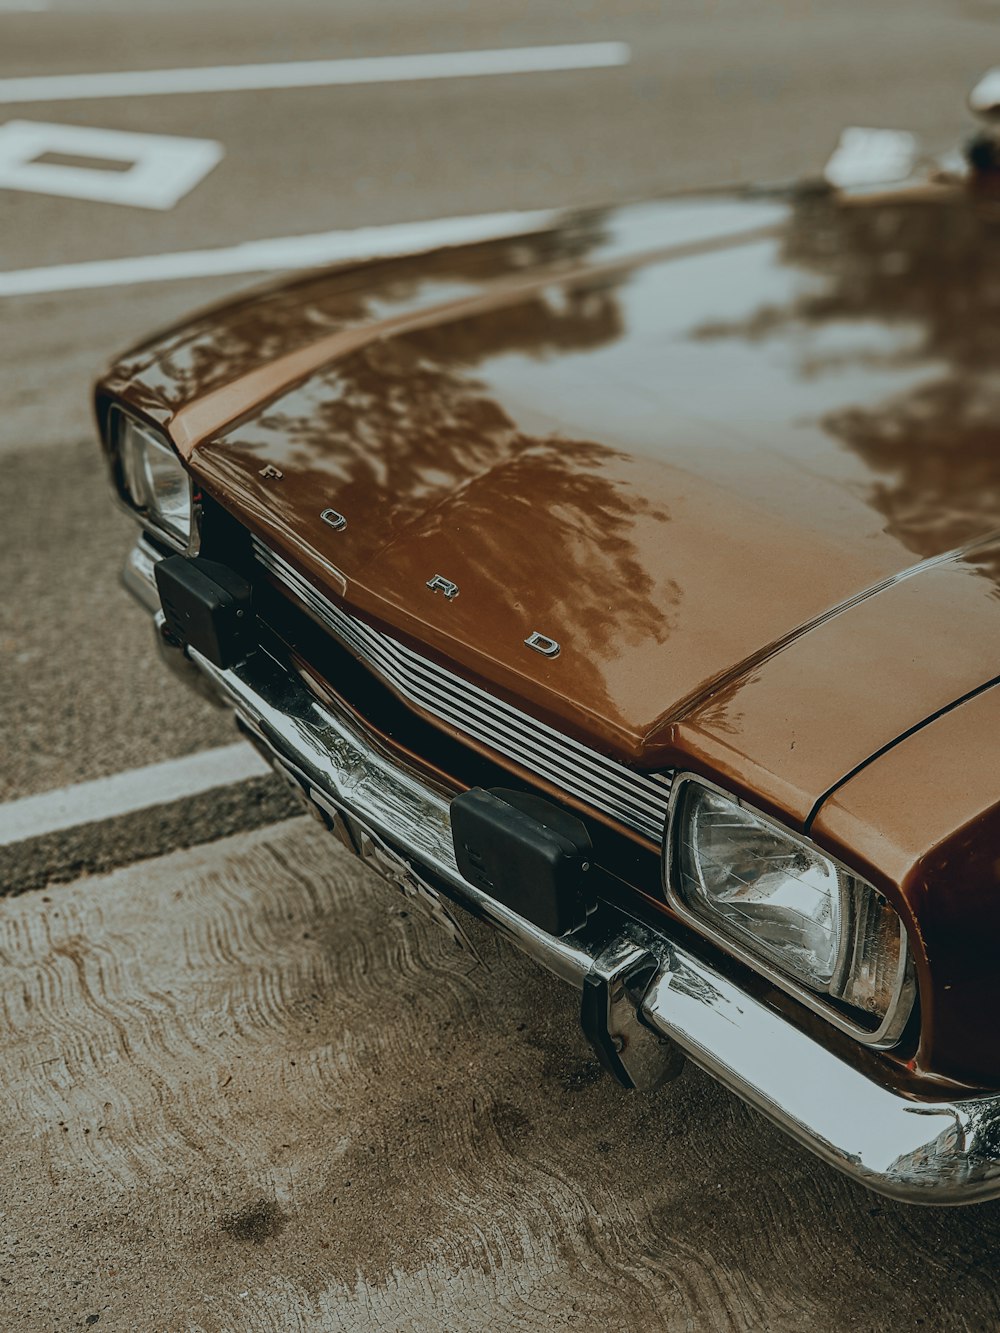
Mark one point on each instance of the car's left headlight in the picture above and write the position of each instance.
(154, 482)
(776, 900)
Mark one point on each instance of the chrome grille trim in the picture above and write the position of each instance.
(637, 800)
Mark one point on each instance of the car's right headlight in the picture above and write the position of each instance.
(152, 477)
(775, 899)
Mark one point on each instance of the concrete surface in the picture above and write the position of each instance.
(245, 1088)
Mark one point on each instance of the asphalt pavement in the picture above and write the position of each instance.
(730, 91)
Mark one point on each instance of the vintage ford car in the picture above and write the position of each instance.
(633, 582)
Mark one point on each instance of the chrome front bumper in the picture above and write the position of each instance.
(653, 996)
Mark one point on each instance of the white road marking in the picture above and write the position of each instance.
(871, 157)
(164, 168)
(279, 252)
(315, 73)
(125, 793)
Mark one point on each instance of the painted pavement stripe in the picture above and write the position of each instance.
(275, 253)
(315, 73)
(124, 793)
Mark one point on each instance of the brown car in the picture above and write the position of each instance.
(634, 584)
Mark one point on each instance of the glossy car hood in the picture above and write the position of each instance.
(719, 450)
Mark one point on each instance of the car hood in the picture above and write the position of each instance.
(735, 455)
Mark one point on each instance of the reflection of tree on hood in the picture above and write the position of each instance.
(406, 425)
(934, 267)
(407, 430)
(227, 342)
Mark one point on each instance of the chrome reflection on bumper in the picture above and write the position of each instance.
(138, 576)
(942, 1152)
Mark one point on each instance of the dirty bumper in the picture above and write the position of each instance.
(645, 998)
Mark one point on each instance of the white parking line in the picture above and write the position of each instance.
(278, 252)
(162, 168)
(315, 73)
(125, 793)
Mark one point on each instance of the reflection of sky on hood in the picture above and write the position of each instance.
(740, 409)
(424, 297)
(801, 371)
(681, 222)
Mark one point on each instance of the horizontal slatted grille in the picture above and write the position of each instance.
(637, 800)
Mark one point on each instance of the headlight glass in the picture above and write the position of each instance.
(154, 480)
(784, 905)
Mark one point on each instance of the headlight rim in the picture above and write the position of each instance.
(117, 413)
(904, 994)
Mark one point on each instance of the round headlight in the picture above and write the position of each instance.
(783, 905)
(152, 477)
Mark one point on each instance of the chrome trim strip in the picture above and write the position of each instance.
(936, 1152)
(638, 800)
